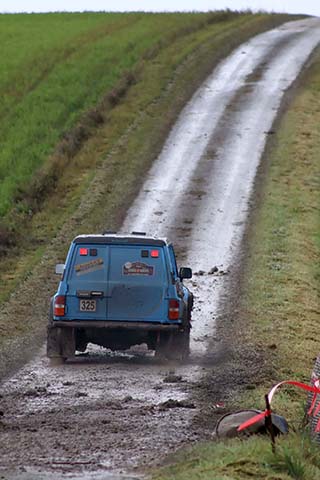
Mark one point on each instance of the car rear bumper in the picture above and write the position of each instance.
(118, 325)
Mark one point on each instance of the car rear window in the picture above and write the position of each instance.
(118, 263)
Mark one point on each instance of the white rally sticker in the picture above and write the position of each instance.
(137, 268)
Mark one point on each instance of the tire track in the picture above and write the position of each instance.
(198, 190)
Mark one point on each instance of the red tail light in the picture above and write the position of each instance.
(59, 306)
(173, 313)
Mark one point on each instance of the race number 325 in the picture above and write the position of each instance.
(88, 305)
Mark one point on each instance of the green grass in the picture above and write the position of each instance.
(280, 304)
(55, 67)
(64, 64)
(295, 458)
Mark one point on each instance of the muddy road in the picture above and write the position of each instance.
(107, 415)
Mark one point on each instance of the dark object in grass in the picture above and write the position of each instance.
(227, 426)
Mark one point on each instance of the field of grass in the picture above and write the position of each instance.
(56, 67)
(280, 305)
(87, 109)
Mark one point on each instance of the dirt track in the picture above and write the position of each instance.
(103, 414)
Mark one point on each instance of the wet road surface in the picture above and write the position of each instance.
(102, 415)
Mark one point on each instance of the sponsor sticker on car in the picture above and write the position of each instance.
(137, 268)
(88, 267)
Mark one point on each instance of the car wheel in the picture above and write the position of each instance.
(162, 346)
(179, 345)
(183, 343)
(60, 341)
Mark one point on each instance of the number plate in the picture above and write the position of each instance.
(88, 305)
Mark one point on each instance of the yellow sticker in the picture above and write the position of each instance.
(89, 267)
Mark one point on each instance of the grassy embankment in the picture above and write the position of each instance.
(280, 307)
(88, 102)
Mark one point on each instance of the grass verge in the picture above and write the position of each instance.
(280, 304)
(295, 458)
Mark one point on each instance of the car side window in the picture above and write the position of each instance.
(173, 262)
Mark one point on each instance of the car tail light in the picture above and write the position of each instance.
(155, 253)
(59, 306)
(173, 313)
(83, 251)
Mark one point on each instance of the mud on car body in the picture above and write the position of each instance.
(117, 291)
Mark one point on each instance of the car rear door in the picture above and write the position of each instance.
(87, 292)
(137, 282)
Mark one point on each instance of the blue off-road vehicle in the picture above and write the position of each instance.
(117, 291)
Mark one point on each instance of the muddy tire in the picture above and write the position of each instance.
(162, 346)
(53, 342)
(180, 347)
(181, 340)
(315, 419)
(179, 343)
(81, 341)
(174, 346)
(60, 341)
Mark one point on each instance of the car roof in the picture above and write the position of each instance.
(120, 239)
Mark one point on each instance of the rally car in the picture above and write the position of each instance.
(117, 291)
